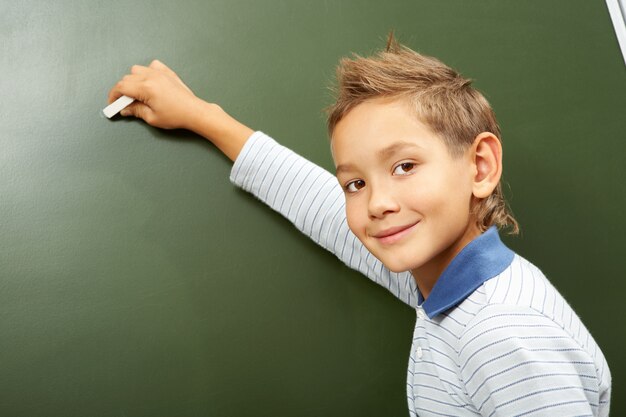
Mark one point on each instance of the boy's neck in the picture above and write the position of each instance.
(426, 275)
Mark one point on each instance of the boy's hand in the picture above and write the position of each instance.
(161, 98)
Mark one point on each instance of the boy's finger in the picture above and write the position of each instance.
(138, 69)
(158, 65)
(137, 109)
(128, 86)
(113, 95)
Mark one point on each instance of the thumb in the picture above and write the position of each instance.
(136, 109)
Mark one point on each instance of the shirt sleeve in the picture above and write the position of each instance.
(516, 361)
(312, 199)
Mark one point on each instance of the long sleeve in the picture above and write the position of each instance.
(310, 197)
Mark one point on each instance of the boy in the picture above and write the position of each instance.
(418, 160)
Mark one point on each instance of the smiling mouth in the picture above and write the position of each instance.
(394, 234)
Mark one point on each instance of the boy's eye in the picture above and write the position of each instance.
(354, 186)
(404, 168)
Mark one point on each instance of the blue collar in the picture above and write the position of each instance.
(483, 258)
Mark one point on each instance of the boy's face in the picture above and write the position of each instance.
(407, 199)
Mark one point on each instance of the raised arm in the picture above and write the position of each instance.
(303, 192)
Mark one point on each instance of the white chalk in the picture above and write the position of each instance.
(117, 106)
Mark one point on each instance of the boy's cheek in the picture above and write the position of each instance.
(351, 223)
(355, 222)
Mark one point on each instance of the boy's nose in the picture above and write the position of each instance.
(381, 203)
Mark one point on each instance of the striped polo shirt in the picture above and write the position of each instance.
(494, 338)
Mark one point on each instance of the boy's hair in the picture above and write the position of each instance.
(441, 98)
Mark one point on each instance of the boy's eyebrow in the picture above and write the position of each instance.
(342, 168)
(395, 147)
(384, 153)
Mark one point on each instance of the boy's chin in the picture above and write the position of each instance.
(397, 267)
(394, 264)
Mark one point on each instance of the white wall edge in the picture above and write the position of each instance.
(617, 10)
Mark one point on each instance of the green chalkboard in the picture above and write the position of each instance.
(135, 280)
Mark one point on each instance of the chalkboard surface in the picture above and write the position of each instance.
(135, 280)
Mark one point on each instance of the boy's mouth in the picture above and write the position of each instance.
(393, 234)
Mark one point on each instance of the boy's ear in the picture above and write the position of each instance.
(487, 163)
